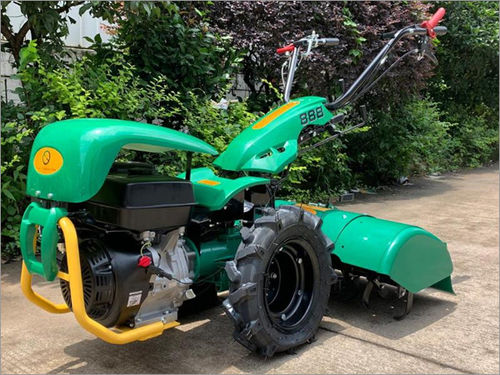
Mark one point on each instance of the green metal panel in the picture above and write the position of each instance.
(213, 255)
(409, 255)
(88, 148)
(47, 219)
(270, 144)
(214, 192)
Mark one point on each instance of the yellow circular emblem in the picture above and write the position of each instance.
(47, 160)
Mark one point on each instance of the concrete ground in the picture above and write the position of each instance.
(443, 334)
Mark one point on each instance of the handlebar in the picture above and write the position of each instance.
(427, 29)
(368, 73)
(439, 30)
(329, 41)
(304, 42)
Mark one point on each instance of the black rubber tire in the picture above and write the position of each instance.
(281, 247)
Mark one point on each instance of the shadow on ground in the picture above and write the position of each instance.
(209, 332)
(379, 319)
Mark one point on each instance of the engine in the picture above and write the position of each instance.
(136, 266)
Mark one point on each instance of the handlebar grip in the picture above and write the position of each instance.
(329, 41)
(389, 35)
(433, 21)
(284, 49)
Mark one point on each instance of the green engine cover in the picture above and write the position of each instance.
(270, 144)
(409, 255)
(70, 159)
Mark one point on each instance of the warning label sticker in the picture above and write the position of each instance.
(134, 298)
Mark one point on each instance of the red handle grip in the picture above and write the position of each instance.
(284, 49)
(433, 21)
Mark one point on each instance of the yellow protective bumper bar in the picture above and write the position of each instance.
(74, 277)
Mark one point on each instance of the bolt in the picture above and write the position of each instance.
(299, 261)
(274, 276)
(283, 317)
(50, 195)
(37, 193)
(299, 292)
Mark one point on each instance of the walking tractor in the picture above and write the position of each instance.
(130, 247)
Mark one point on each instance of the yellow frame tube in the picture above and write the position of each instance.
(37, 299)
(74, 277)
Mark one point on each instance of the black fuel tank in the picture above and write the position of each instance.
(143, 202)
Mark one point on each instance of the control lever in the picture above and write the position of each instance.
(424, 50)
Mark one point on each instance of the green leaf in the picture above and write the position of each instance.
(8, 194)
(84, 8)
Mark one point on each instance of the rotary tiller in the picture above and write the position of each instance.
(130, 247)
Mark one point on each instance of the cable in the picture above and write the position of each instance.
(146, 244)
(368, 88)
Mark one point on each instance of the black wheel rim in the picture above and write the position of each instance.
(289, 284)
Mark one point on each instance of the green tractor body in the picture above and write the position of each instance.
(131, 247)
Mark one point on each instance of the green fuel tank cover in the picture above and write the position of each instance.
(70, 159)
(270, 144)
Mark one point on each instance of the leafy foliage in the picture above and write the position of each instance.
(16, 142)
(407, 140)
(466, 83)
(47, 22)
(472, 38)
(179, 45)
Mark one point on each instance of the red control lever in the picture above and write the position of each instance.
(433, 21)
(284, 49)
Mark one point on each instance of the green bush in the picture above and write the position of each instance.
(408, 139)
(473, 140)
(466, 83)
(175, 40)
(16, 144)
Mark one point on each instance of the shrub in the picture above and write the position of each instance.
(16, 142)
(179, 46)
(409, 139)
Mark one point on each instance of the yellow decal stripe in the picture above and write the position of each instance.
(208, 182)
(272, 116)
(312, 209)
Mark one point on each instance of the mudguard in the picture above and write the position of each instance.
(70, 159)
(411, 256)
